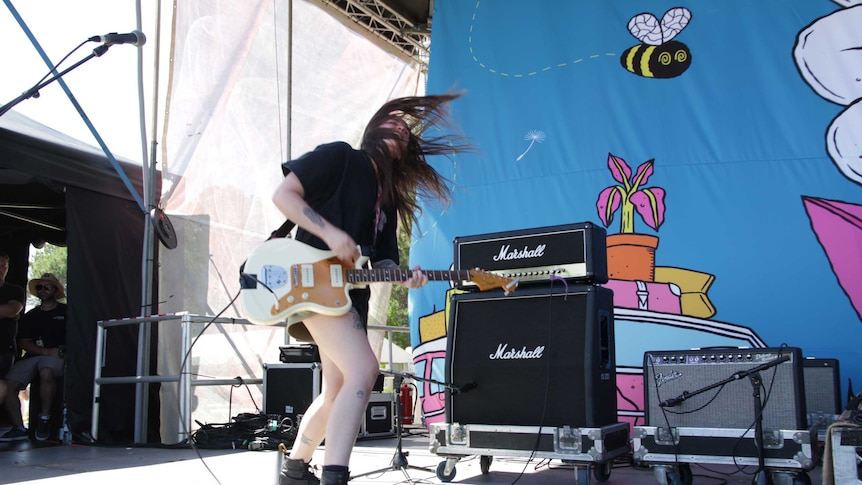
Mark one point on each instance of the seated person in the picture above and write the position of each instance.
(42, 337)
(12, 299)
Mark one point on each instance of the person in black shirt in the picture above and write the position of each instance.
(42, 337)
(12, 300)
(342, 199)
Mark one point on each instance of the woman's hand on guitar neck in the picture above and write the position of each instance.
(417, 280)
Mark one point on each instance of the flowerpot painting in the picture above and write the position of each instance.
(632, 257)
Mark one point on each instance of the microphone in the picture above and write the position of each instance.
(467, 387)
(674, 401)
(135, 37)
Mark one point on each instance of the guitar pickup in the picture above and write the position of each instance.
(306, 274)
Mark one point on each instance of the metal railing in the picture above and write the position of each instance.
(141, 381)
(184, 379)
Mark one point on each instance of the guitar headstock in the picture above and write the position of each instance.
(487, 280)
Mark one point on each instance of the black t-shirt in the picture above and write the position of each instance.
(47, 326)
(340, 185)
(9, 326)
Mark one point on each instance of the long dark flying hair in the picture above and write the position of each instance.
(403, 180)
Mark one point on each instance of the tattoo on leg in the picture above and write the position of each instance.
(360, 395)
(305, 440)
(314, 217)
(357, 322)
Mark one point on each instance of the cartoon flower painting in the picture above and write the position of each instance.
(631, 196)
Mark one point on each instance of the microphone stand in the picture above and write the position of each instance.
(761, 477)
(399, 460)
(34, 91)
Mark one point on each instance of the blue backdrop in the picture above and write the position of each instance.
(749, 114)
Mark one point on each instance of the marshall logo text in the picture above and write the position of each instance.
(513, 354)
(507, 255)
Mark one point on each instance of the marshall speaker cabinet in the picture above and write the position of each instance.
(574, 252)
(537, 357)
(669, 375)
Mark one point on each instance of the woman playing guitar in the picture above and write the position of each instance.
(342, 199)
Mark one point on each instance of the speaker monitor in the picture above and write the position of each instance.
(379, 415)
(672, 374)
(288, 389)
(539, 356)
(822, 389)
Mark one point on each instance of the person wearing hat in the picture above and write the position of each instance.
(42, 337)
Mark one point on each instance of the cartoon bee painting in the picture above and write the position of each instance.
(658, 56)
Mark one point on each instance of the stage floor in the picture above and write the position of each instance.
(25, 462)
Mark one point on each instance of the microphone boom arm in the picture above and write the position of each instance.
(675, 401)
(33, 92)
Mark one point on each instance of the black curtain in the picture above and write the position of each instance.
(104, 229)
(105, 239)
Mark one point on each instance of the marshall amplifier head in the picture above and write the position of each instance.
(574, 252)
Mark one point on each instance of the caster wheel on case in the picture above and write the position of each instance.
(602, 471)
(442, 475)
(801, 478)
(582, 475)
(485, 463)
(685, 474)
(673, 478)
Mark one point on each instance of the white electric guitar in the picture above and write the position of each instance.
(284, 276)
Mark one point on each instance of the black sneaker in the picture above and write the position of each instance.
(296, 472)
(15, 434)
(43, 428)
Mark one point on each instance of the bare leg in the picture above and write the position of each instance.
(345, 346)
(312, 429)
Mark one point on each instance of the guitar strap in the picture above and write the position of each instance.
(249, 281)
(283, 230)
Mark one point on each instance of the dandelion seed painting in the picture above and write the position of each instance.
(532, 136)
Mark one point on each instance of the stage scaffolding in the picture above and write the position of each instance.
(184, 378)
(143, 378)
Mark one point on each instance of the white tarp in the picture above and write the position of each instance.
(225, 138)
(222, 135)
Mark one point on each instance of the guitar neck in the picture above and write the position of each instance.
(396, 274)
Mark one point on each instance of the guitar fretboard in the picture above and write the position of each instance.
(396, 274)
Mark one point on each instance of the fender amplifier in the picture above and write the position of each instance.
(670, 376)
(575, 252)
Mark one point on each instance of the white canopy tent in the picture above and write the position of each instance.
(244, 87)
